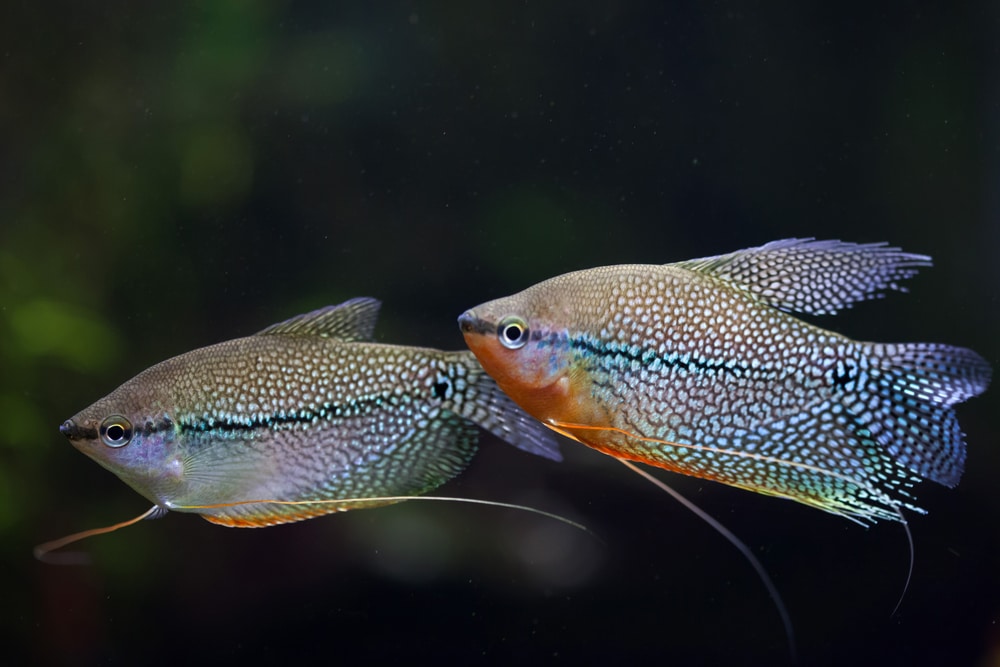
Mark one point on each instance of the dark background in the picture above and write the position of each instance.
(176, 174)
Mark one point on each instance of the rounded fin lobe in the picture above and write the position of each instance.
(912, 414)
(487, 406)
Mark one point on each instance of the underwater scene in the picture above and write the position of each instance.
(325, 329)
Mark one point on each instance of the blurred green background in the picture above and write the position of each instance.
(177, 174)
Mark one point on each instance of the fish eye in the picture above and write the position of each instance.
(512, 332)
(116, 431)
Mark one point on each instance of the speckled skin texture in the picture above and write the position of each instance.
(697, 367)
(307, 410)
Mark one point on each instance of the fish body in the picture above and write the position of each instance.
(699, 367)
(306, 413)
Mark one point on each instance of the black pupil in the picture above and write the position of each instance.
(512, 332)
(115, 432)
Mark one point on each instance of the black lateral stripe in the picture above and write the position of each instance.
(278, 421)
(645, 357)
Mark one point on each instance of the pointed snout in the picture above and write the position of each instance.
(469, 323)
(74, 431)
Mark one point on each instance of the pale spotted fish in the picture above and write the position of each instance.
(699, 367)
(286, 424)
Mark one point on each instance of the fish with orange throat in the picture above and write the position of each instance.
(307, 417)
(700, 368)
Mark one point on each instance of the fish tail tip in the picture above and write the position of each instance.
(911, 400)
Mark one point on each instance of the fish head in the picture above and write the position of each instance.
(139, 445)
(522, 341)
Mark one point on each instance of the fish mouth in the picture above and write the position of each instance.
(470, 324)
(74, 431)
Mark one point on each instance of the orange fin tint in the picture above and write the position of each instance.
(825, 504)
(261, 520)
(268, 512)
(42, 551)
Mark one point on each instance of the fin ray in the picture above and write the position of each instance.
(351, 321)
(855, 480)
(493, 410)
(909, 405)
(813, 277)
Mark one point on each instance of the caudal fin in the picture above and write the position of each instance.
(910, 408)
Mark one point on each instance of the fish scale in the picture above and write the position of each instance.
(700, 367)
(309, 412)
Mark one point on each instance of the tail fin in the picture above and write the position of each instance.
(913, 392)
(486, 405)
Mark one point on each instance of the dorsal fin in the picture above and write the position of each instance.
(813, 277)
(353, 320)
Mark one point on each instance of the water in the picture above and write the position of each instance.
(178, 177)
